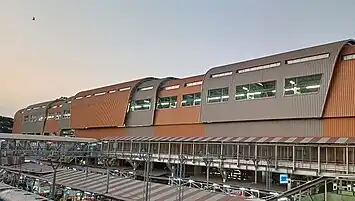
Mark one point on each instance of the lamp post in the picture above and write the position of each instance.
(181, 175)
(268, 173)
(146, 156)
(54, 167)
(107, 165)
(207, 160)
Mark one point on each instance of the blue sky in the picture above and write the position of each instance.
(81, 44)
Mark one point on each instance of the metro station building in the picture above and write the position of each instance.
(294, 110)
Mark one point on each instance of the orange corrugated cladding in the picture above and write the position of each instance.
(52, 125)
(339, 127)
(187, 130)
(101, 132)
(340, 109)
(100, 111)
(179, 115)
(17, 122)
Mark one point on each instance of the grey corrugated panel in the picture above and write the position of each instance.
(7, 136)
(144, 118)
(277, 128)
(65, 123)
(273, 108)
(35, 127)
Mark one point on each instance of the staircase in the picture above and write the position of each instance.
(320, 181)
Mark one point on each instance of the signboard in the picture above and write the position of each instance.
(283, 178)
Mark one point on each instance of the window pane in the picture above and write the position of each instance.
(214, 95)
(173, 101)
(191, 99)
(187, 100)
(241, 92)
(197, 100)
(218, 95)
(163, 102)
(143, 104)
(302, 85)
(225, 94)
(262, 90)
(256, 90)
(167, 102)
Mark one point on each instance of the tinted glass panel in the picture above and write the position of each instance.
(167, 102)
(191, 99)
(256, 90)
(143, 104)
(218, 95)
(302, 85)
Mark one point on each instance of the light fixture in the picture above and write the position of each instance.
(312, 87)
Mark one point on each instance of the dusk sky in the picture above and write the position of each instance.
(80, 44)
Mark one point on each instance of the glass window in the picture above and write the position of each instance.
(306, 59)
(191, 99)
(349, 57)
(50, 116)
(66, 114)
(143, 104)
(26, 118)
(221, 74)
(256, 68)
(58, 115)
(302, 85)
(167, 102)
(256, 90)
(218, 95)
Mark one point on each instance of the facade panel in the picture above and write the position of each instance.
(282, 95)
(339, 127)
(100, 133)
(181, 113)
(51, 126)
(182, 130)
(275, 128)
(143, 103)
(57, 118)
(146, 131)
(18, 122)
(101, 107)
(310, 61)
(341, 97)
(34, 118)
(65, 110)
